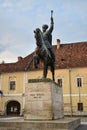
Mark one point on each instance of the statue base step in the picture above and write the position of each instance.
(62, 124)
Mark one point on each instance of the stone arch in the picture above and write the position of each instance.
(13, 108)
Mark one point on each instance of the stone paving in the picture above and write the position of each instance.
(82, 127)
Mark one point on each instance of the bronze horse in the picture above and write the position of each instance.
(42, 53)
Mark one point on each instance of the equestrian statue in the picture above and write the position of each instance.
(44, 50)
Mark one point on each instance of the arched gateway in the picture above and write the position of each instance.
(13, 108)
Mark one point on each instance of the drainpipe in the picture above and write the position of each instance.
(70, 91)
(1, 93)
(0, 81)
(79, 95)
(24, 85)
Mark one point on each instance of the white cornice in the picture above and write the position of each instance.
(12, 95)
(74, 95)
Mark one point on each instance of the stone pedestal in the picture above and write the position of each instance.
(43, 100)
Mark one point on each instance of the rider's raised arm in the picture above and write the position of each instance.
(51, 26)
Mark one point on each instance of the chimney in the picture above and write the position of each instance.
(20, 58)
(58, 43)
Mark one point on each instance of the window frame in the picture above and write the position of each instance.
(79, 83)
(61, 83)
(80, 106)
(13, 87)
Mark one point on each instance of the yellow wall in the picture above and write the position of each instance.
(71, 93)
(19, 82)
(12, 95)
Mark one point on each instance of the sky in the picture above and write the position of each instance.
(19, 18)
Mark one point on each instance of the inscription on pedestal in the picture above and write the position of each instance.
(38, 101)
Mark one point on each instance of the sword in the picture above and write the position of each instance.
(51, 13)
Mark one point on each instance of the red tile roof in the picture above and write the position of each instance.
(72, 55)
(67, 56)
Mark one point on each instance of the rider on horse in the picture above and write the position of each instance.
(44, 48)
(47, 37)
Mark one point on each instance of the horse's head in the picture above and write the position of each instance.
(38, 36)
(37, 32)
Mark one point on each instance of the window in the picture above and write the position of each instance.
(59, 82)
(79, 82)
(80, 106)
(12, 85)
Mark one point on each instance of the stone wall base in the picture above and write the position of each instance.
(62, 124)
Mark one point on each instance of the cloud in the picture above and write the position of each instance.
(71, 20)
(8, 56)
(2, 48)
(22, 5)
(26, 5)
(7, 38)
(18, 19)
(19, 43)
(6, 3)
(6, 41)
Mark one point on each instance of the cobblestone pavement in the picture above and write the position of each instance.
(82, 127)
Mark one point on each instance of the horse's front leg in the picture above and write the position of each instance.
(45, 69)
(53, 76)
(53, 71)
(36, 61)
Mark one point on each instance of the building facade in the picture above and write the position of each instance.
(70, 74)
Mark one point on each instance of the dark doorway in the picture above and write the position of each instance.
(13, 108)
